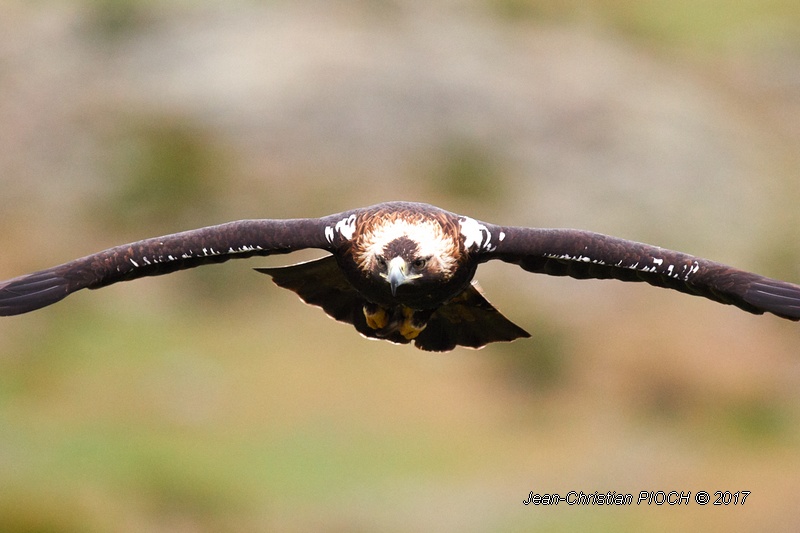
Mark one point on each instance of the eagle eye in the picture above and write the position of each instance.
(381, 261)
(420, 263)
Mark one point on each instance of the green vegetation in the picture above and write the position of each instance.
(164, 171)
(700, 26)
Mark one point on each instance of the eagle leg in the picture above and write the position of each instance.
(376, 316)
(413, 323)
(406, 321)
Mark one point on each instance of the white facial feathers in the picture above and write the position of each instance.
(431, 240)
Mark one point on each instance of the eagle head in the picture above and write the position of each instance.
(417, 252)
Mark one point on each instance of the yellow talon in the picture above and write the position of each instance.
(408, 329)
(377, 320)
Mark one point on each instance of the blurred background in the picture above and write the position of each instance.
(212, 400)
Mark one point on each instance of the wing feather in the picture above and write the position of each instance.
(586, 255)
(161, 255)
(322, 283)
(468, 320)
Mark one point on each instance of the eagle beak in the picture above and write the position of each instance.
(397, 274)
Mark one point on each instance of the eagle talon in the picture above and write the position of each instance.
(402, 320)
(377, 317)
(409, 330)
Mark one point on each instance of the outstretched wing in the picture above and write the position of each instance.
(162, 255)
(585, 255)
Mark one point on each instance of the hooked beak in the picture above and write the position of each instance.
(397, 274)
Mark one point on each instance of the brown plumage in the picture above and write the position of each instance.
(403, 271)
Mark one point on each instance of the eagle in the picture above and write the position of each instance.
(403, 271)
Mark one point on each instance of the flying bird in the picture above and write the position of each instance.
(404, 271)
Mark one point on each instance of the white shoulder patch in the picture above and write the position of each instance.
(476, 234)
(346, 228)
